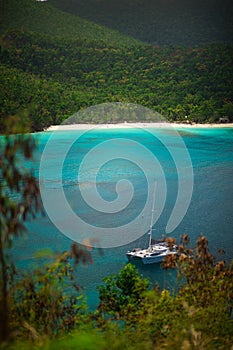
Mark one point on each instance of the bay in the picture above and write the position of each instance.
(129, 158)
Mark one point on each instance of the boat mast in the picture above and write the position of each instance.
(152, 217)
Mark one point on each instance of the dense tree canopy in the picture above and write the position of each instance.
(53, 64)
(54, 78)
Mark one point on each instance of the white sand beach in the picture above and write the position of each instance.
(135, 125)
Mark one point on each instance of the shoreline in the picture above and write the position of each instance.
(134, 125)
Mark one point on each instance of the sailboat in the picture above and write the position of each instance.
(156, 251)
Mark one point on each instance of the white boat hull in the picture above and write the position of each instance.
(152, 255)
(154, 260)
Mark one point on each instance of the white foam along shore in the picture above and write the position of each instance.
(134, 125)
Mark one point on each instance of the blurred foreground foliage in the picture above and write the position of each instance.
(19, 201)
(47, 312)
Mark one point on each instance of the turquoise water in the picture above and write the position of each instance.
(209, 213)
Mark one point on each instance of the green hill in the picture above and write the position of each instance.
(54, 79)
(53, 64)
(161, 22)
(41, 17)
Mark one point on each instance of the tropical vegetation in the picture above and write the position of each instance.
(54, 64)
(52, 71)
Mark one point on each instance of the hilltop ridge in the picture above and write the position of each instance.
(43, 18)
(160, 22)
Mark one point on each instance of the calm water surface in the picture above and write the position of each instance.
(210, 211)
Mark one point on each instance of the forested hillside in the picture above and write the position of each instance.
(41, 17)
(54, 64)
(55, 78)
(161, 22)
